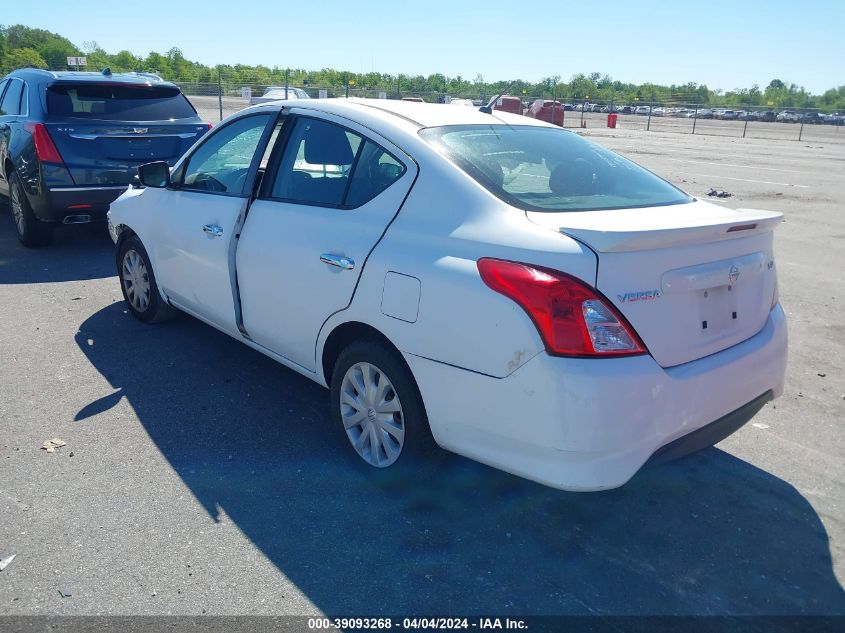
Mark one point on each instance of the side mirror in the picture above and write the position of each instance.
(155, 174)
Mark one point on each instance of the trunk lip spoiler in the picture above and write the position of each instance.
(632, 238)
(122, 134)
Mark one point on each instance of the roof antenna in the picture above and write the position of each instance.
(107, 71)
(488, 109)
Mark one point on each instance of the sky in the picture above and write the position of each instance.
(724, 45)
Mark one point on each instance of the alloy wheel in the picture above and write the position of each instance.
(17, 208)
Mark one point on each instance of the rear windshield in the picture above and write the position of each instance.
(547, 169)
(118, 102)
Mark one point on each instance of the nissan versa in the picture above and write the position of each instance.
(70, 142)
(471, 278)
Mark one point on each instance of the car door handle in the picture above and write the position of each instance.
(213, 230)
(340, 261)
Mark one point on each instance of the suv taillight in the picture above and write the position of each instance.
(573, 319)
(45, 149)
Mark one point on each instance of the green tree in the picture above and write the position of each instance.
(22, 58)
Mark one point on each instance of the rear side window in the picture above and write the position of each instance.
(375, 171)
(316, 165)
(118, 102)
(11, 103)
(327, 165)
(546, 169)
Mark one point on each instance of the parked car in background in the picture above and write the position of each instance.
(275, 93)
(546, 110)
(704, 113)
(643, 109)
(71, 142)
(788, 116)
(767, 116)
(489, 283)
(812, 118)
(627, 109)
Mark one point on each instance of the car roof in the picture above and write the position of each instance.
(418, 114)
(65, 76)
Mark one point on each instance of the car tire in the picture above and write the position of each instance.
(31, 231)
(364, 407)
(138, 283)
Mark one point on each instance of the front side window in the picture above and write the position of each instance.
(545, 169)
(221, 164)
(118, 102)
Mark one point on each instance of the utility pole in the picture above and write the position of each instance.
(650, 108)
(747, 113)
(220, 92)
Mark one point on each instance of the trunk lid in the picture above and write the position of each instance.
(692, 279)
(109, 152)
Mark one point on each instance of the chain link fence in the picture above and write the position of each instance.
(216, 101)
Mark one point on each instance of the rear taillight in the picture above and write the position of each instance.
(573, 319)
(210, 125)
(45, 149)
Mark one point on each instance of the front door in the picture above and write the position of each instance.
(324, 206)
(196, 230)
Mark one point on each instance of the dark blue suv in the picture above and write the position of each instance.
(71, 142)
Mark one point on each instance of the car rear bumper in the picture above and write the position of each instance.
(63, 204)
(591, 424)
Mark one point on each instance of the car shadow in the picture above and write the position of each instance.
(710, 534)
(77, 252)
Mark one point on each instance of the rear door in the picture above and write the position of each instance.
(195, 223)
(105, 130)
(333, 191)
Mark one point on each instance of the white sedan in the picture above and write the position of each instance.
(477, 280)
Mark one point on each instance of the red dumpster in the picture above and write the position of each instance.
(611, 120)
(509, 104)
(551, 111)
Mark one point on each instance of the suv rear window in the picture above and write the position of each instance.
(118, 102)
(546, 169)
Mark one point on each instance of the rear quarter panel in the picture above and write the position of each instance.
(448, 222)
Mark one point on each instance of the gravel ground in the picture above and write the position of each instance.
(200, 477)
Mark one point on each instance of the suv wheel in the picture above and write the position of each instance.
(32, 232)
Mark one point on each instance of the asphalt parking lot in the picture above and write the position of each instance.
(200, 477)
